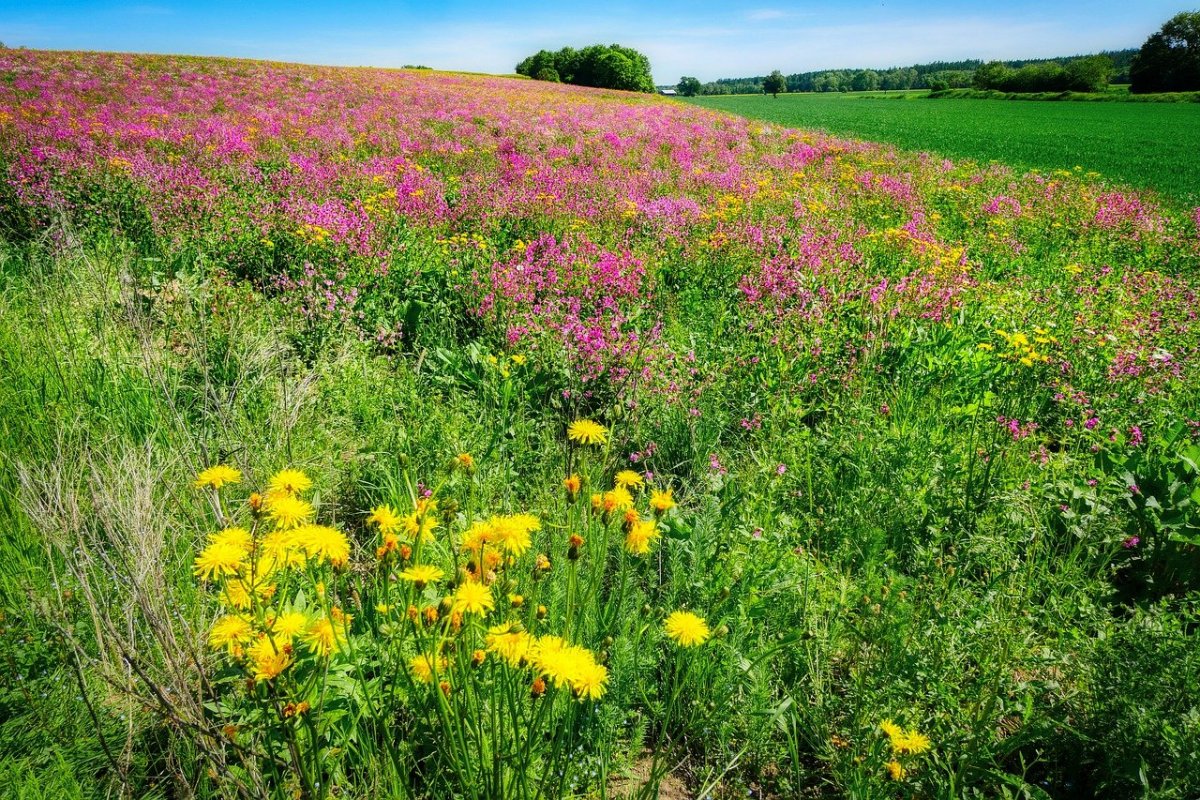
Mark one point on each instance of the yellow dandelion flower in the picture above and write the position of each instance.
(911, 742)
(287, 510)
(323, 543)
(323, 637)
(268, 659)
(896, 770)
(386, 518)
(219, 560)
(229, 632)
(661, 501)
(511, 645)
(591, 681)
(422, 574)
(686, 628)
(618, 499)
(288, 626)
(289, 481)
(465, 462)
(572, 483)
(478, 535)
(472, 597)
(628, 479)
(216, 477)
(891, 729)
(238, 592)
(513, 532)
(585, 431)
(424, 667)
(238, 537)
(641, 536)
(418, 524)
(283, 550)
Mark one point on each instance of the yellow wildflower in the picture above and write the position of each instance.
(217, 476)
(686, 628)
(289, 481)
(628, 479)
(641, 535)
(386, 518)
(287, 510)
(585, 431)
(218, 560)
(473, 597)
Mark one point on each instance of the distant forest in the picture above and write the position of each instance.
(934, 75)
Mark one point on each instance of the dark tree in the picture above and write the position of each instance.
(688, 87)
(1169, 61)
(774, 84)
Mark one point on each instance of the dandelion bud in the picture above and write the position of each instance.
(477, 658)
(722, 630)
(446, 605)
(412, 613)
(256, 503)
(724, 593)
(465, 462)
(430, 614)
(541, 612)
(646, 610)
(572, 484)
(516, 600)
(405, 552)
(538, 688)
(608, 642)
(456, 621)
(445, 687)
(449, 507)
(597, 502)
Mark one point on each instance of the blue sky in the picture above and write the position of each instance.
(705, 38)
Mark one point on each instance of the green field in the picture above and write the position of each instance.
(1149, 146)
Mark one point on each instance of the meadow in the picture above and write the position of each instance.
(371, 433)
(1150, 146)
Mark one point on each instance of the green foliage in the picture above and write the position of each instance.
(1088, 74)
(1169, 61)
(688, 86)
(602, 66)
(774, 84)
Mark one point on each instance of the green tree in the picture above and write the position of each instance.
(774, 84)
(688, 86)
(547, 74)
(604, 66)
(1169, 61)
(1090, 74)
(865, 80)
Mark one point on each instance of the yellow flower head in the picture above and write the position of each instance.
(472, 597)
(585, 431)
(572, 483)
(424, 667)
(891, 729)
(641, 535)
(686, 628)
(422, 574)
(591, 681)
(386, 518)
(282, 550)
(661, 501)
(323, 637)
(238, 537)
(513, 532)
(895, 770)
(911, 742)
(287, 510)
(219, 560)
(511, 645)
(323, 543)
(628, 479)
(287, 627)
(465, 462)
(229, 632)
(216, 477)
(289, 481)
(618, 499)
(269, 658)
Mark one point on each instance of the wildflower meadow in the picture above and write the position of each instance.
(382, 433)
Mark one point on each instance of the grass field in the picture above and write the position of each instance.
(372, 434)
(1145, 145)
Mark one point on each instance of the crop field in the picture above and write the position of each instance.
(1144, 145)
(402, 434)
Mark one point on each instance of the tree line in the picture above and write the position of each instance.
(934, 75)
